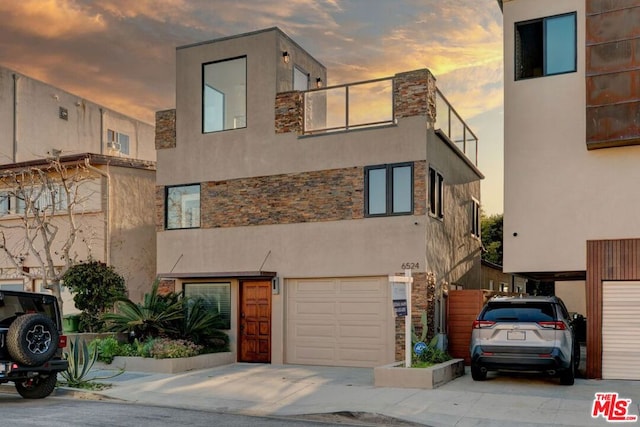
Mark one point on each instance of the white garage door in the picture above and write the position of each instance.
(339, 322)
(620, 330)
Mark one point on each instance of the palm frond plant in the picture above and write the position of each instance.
(155, 316)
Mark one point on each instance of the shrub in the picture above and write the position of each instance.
(164, 348)
(96, 287)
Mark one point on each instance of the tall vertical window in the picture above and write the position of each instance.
(545, 46)
(182, 207)
(224, 97)
(474, 216)
(300, 79)
(436, 193)
(389, 189)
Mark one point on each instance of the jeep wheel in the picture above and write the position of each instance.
(32, 339)
(37, 387)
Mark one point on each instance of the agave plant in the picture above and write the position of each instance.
(81, 359)
(155, 316)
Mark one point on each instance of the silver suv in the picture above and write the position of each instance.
(524, 334)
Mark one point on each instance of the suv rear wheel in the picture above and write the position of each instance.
(567, 377)
(38, 387)
(32, 339)
(477, 373)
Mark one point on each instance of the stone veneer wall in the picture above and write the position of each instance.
(289, 112)
(422, 299)
(327, 195)
(415, 95)
(165, 129)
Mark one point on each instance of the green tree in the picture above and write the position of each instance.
(97, 287)
(492, 238)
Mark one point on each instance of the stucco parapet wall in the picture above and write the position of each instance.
(289, 111)
(165, 129)
(415, 94)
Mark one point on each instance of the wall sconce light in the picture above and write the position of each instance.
(318, 82)
(285, 57)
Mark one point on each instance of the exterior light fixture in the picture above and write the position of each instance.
(285, 57)
(318, 82)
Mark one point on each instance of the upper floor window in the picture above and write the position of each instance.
(182, 206)
(224, 96)
(475, 218)
(436, 193)
(118, 141)
(389, 189)
(300, 79)
(545, 46)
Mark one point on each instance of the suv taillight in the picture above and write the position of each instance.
(479, 324)
(62, 341)
(553, 325)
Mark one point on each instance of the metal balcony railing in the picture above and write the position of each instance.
(449, 122)
(350, 106)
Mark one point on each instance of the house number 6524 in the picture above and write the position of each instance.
(410, 265)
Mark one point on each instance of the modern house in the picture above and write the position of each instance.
(289, 204)
(572, 136)
(41, 122)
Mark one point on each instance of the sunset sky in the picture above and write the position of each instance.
(121, 53)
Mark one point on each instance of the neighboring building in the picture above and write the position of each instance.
(572, 135)
(290, 208)
(40, 121)
(113, 211)
(494, 279)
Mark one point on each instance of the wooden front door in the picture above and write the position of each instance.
(255, 322)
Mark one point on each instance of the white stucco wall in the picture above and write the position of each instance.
(34, 107)
(558, 194)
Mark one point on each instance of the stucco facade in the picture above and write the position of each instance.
(113, 216)
(38, 118)
(565, 184)
(286, 206)
(39, 122)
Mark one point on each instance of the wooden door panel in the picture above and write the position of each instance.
(255, 322)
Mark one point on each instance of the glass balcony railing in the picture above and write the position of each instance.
(449, 122)
(371, 103)
(350, 106)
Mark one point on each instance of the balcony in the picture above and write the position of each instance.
(375, 103)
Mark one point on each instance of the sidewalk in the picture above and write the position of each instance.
(285, 390)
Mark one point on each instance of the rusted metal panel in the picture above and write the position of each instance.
(606, 260)
(614, 125)
(613, 88)
(600, 6)
(615, 25)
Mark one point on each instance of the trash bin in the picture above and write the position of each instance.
(70, 322)
(580, 327)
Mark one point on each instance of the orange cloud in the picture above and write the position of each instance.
(51, 18)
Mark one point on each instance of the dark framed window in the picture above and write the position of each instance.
(475, 218)
(545, 46)
(389, 189)
(224, 95)
(436, 193)
(215, 296)
(182, 206)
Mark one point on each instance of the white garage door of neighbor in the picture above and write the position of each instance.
(620, 330)
(339, 322)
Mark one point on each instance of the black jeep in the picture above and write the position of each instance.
(31, 342)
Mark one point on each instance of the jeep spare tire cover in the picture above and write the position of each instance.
(32, 339)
